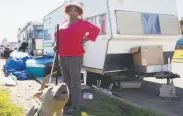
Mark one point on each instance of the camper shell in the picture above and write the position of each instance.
(124, 24)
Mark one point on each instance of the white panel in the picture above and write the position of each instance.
(95, 54)
(169, 24)
(129, 23)
(119, 46)
(50, 22)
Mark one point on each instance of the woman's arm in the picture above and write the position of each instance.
(92, 30)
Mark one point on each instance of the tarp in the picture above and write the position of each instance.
(151, 24)
(16, 65)
(21, 75)
(180, 41)
(21, 55)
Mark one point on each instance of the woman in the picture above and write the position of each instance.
(70, 50)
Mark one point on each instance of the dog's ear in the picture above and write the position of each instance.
(38, 94)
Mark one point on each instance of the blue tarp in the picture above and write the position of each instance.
(20, 75)
(16, 64)
(20, 55)
(180, 41)
(151, 23)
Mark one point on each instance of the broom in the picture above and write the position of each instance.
(57, 56)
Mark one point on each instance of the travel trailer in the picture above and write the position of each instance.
(124, 24)
(32, 33)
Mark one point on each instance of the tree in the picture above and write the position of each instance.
(181, 25)
(181, 21)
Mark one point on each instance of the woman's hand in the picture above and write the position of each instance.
(55, 49)
(84, 41)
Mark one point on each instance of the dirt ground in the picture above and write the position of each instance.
(21, 94)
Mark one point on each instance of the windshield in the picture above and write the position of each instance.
(38, 33)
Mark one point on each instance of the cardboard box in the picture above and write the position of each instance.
(147, 55)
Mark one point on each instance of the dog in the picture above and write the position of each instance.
(52, 101)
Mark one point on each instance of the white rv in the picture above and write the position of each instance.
(32, 33)
(124, 24)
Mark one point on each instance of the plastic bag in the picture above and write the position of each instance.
(14, 78)
(8, 81)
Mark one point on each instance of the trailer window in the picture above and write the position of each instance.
(38, 33)
(47, 34)
(169, 25)
(100, 21)
(129, 23)
(92, 20)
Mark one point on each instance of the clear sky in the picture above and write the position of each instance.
(16, 13)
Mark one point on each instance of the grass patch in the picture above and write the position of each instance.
(103, 105)
(100, 106)
(7, 108)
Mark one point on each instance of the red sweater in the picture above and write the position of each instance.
(70, 41)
